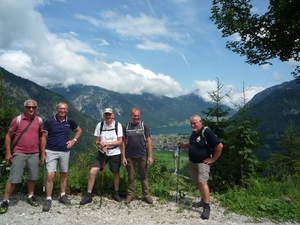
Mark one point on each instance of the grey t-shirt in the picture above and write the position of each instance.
(135, 135)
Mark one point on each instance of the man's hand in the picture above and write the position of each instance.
(8, 157)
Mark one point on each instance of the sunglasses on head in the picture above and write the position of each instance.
(30, 107)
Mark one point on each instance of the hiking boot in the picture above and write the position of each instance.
(116, 196)
(197, 204)
(3, 207)
(47, 205)
(32, 201)
(64, 200)
(128, 200)
(205, 213)
(86, 199)
(148, 199)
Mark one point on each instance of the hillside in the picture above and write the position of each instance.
(17, 90)
(275, 108)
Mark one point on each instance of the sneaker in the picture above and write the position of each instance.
(3, 207)
(148, 199)
(47, 205)
(86, 199)
(205, 213)
(64, 199)
(128, 199)
(116, 196)
(197, 204)
(32, 201)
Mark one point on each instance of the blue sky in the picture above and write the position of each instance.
(165, 47)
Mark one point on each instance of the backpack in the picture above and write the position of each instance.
(141, 123)
(116, 127)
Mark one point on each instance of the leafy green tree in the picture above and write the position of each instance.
(241, 162)
(275, 34)
(216, 119)
(237, 162)
(287, 163)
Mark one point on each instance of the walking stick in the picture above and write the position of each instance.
(178, 172)
(44, 176)
(102, 180)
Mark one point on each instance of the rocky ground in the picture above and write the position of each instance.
(111, 212)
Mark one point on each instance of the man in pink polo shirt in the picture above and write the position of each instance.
(26, 152)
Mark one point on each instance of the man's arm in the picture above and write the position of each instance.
(43, 143)
(78, 133)
(124, 160)
(217, 152)
(8, 140)
(149, 146)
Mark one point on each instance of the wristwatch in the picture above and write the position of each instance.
(75, 139)
(110, 143)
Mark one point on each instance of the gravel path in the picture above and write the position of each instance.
(111, 212)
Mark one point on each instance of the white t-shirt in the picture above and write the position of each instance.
(109, 135)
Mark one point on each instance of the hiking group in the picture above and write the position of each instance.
(29, 141)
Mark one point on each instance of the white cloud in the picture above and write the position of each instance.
(235, 97)
(265, 66)
(277, 76)
(137, 27)
(158, 46)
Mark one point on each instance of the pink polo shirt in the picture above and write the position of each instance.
(29, 141)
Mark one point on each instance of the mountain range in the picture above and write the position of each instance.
(274, 108)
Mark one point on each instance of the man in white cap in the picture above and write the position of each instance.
(108, 137)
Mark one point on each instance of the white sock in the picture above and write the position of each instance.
(49, 198)
(62, 194)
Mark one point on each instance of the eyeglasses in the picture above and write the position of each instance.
(30, 107)
(62, 108)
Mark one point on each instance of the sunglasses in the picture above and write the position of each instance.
(30, 107)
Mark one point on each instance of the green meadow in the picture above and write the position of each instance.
(168, 157)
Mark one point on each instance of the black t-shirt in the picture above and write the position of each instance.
(200, 147)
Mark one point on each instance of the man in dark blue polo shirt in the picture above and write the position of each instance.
(200, 158)
(56, 133)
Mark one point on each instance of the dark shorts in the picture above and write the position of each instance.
(113, 161)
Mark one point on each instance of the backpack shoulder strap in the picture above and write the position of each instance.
(203, 130)
(18, 120)
(101, 127)
(116, 127)
(143, 128)
(51, 123)
(40, 121)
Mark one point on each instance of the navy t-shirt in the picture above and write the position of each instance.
(199, 150)
(59, 133)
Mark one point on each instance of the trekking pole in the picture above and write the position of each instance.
(102, 180)
(44, 176)
(178, 172)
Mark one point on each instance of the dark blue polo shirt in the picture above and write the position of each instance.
(59, 133)
(199, 150)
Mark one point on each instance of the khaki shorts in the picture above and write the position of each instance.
(199, 172)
